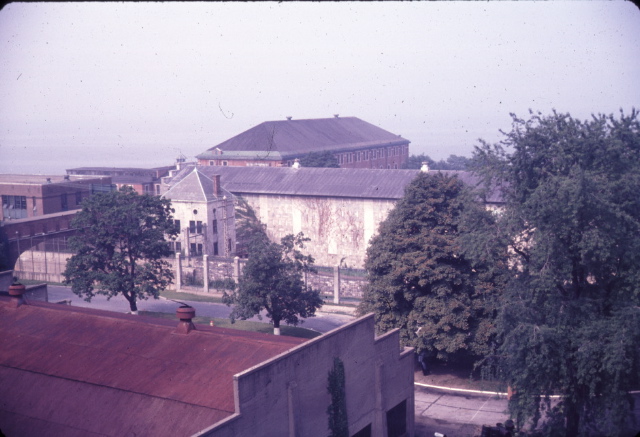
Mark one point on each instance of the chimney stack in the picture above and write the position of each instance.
(16, 290)
(185, 313)
(217, 189)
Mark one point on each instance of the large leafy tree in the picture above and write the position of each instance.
(319, 159)
(120, 246)
(569, 323)
(273, 280)
(421, 281)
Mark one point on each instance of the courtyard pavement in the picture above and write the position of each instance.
(456, 413)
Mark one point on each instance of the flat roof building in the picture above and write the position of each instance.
(26, 196)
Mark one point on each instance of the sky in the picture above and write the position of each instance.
(138, 84)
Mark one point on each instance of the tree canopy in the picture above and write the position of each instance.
(248, 226)
(319, 159)
(569, 323)
(419, 277)
(272, 280)
(453, 162)
(120, 246)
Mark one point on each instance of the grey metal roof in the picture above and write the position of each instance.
(194, 186)
(291, 138)
(329, 182)
(323, 182)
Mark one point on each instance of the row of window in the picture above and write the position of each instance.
(368, 155)
(16, 206)
(14, 202)
(197, 227)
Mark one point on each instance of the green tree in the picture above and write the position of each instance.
(569, 323)
(272, 279)
(319, 159)
(248, 226)
(337, 410)
(414, 162)
(453, 162)
(421, 281)
(120, 246)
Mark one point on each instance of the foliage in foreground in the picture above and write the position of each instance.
(570, 321)
(420, 279)
(272, 280)
(120, 246)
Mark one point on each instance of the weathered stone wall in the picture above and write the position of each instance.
(339, 228)
(220, 268)
(45, 266)
(350, 287)
(287, 395)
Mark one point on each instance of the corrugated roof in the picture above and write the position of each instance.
(87, 372)
(290, 138)
(324, 182)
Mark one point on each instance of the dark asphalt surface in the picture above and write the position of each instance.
(322, 322)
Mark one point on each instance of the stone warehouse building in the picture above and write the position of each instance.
(70, 371)
(204, 215)
(339, 209)
(354, 142)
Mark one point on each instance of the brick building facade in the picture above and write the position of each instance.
(26, 196)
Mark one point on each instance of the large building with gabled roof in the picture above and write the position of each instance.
(354, 142)
(338, 209)
(204, 215)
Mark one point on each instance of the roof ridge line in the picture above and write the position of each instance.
(198, 174)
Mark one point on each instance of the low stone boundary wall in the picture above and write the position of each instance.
(191, 273)
(198, 273)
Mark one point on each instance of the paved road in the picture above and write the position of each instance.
(323, 322)
(456, 414)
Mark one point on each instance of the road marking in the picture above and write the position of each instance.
(464, 390)
(485, 403)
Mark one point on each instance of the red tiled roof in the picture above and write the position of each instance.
(86, 371)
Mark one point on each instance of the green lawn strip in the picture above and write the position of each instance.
(243, 325)
(32, 282)
(175, 295)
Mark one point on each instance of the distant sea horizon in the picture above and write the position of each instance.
(55, 160)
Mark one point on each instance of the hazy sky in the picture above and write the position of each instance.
(135, 84)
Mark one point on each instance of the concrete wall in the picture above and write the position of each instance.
(287, 395)
(339, 228)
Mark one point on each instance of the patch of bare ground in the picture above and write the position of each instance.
(457, 375)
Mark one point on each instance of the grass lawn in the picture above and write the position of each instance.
(174, 295)
(243, 325)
